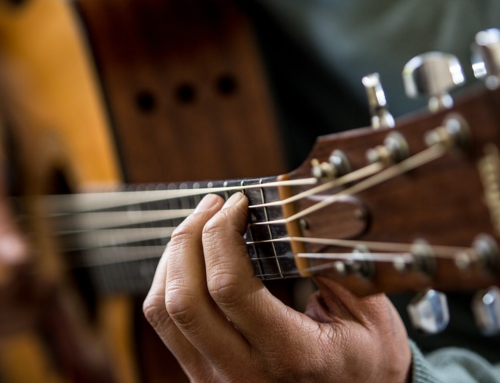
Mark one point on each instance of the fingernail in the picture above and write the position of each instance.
(233, 200)
(206, 203)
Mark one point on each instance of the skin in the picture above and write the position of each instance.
(223, 325)
(15, 277)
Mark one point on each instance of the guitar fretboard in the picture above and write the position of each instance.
(118, 237)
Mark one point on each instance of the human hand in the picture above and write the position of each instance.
(223, 325)
(16, 281)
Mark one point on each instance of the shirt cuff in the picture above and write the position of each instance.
(421, 369)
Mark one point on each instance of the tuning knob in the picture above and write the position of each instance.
(429, 312)
(381, 118)
(433, 75)
(486, 309)
(486, 57)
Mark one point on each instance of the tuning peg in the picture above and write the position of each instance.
(486, 309)
(433, 74)
(337, 166)
(381, 118)
(429, 312)
(486, 57)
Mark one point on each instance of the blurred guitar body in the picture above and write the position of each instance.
(98, 93)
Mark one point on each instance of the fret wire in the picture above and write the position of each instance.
(197, 198)
(173, 201)
(185, 200)
(255, 196)
(357, 188)
(120, 198)
(348, 178)
(124, 281)
(168, 202)
(118, 271)
(103, 278)
(157, 242)
(250, 234)
(269, 229)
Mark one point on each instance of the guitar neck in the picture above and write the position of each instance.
(377, 228)
(118, 237)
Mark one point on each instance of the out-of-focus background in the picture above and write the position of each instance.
(101, 93)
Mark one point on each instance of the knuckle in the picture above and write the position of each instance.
(191, 227)
(154, 310)
(214, 227)
(225, 289)
(183, 232)
(180, 238)
(181, 307)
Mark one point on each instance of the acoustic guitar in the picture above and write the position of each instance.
(419, 211)
(106, 93)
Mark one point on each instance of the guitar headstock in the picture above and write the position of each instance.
(409, 207)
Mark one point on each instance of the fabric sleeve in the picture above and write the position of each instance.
(452, 365)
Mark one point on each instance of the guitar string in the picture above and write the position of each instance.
(71, 203)
(128, 217)
(348, 178)
(398, 169)
(422, 158)
(442, 251)
(113, 219)
(361, 173)
(151, 252)
(412, 162)
(375, 257)
(400, 258)
(426, 156)
(87, 220)
(94, 256)
(404, 258)
(333, 264)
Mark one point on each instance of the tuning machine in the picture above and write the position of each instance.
(395, 149)
(337, 166)
(381, 118)
(486, 309)
(433, 74)
(429, 312)
(454, 133)
(486, 57)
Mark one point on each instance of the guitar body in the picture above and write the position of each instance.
(105, 92)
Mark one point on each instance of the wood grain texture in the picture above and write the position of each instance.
(442, 202)
(52, 102)
(187, 98)
(185, 88)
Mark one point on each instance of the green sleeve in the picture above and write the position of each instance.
(452, 365)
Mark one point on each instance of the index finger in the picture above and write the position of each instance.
(243, 298)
